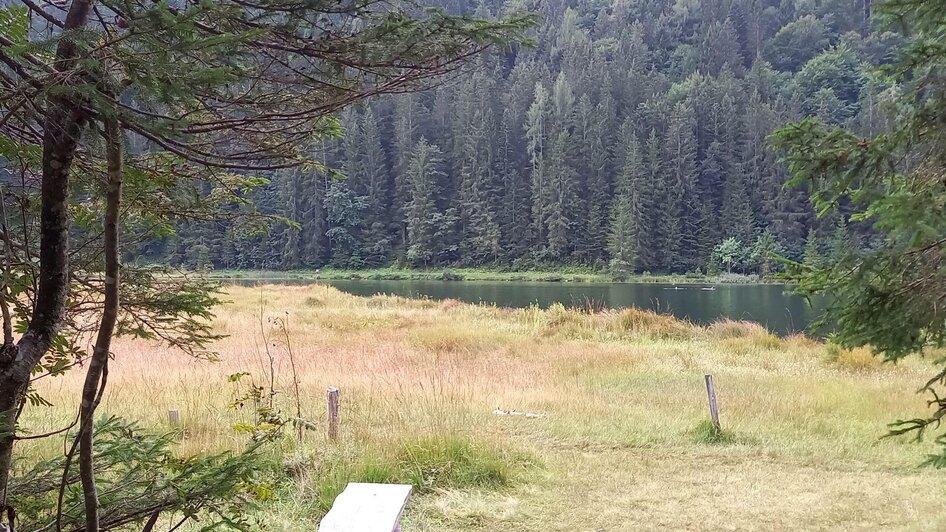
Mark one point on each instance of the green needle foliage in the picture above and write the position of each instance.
(140, 474)
(189, 104)
(890, 296)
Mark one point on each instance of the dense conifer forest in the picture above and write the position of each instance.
(633, 136)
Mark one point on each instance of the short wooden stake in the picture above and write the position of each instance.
(174, 418)
(333, 404)
(711, 394)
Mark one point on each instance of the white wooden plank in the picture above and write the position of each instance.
(367, 508)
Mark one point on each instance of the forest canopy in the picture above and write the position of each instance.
(634, 135)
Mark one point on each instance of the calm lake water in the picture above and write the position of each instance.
(770, 305)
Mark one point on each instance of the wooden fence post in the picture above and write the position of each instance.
(711, 394)
(174, 418)
(333, 404)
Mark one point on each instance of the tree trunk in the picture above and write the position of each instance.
(95, 377)
(61, 132)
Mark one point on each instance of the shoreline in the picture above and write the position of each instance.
(479, 274)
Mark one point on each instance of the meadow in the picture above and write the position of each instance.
(621, 441)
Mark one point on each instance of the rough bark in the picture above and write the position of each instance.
(4, 304)
(94, 377)
(62, 129)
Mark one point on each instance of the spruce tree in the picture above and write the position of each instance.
(627, 211)
(376, 239)
(560, 195)
(424, 217)
(406, 116)
(736, 218)
(683, 204)
(537, 125)
(813, 255)
(653, 222)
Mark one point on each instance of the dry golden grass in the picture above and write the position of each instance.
(623, 396)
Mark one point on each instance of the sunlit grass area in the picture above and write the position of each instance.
(621, 441)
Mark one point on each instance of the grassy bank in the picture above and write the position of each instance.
(620, 443)
(564, 275)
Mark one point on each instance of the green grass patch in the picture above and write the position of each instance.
(425, 463)
(706, 434)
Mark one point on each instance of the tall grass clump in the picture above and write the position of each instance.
(639, 322)
(861, 359)
(742, 335)
(585, 323)
(557, 320)
(705, 433)
(451, 462)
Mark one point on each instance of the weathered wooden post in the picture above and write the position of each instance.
(333, 404)
(711, 394)
(174, 418)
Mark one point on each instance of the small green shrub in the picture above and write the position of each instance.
(448, 275)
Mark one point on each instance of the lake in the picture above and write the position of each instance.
(768, 304)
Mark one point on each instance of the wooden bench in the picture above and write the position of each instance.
(367, 508)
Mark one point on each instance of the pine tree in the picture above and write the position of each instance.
(627, 211)
(765, 252)
(480, 235)
(424, 232)
(376, 241)
(291, 256)
(515, 195)
(652, 222)
(346, 201)
(843, 245)
(683, 206)
(344, 211)
(592, 181)
(758, 162)
(736, 218)
(302, 195)
(560, 196)
(721, 48)
(813, 257)
(406, 112)
(536, 133)
(513, 164)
